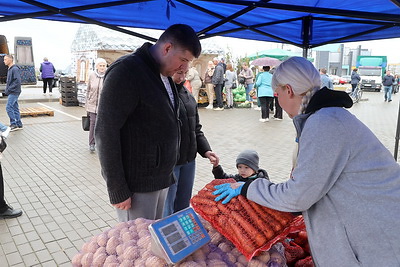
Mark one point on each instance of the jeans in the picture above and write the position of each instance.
(388, 92)
(180, 192)
(12, 109)
(218, 94)
(229, 96)
(3, 127)
(249, 87)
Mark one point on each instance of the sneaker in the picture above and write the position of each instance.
(92, 148)
(390, 100)
(20, 127)
(10, 213)
(218, 109)
(209, 107)
(13, 128)
(277, 119)
(50, 94)
(6, 132)
(44, 94)
(261, 120)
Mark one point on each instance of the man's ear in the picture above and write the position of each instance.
(166, 48)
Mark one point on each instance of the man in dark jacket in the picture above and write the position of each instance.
(13, 90)
(137, 128)
(218, 81)
(355, 79)
(387, 83)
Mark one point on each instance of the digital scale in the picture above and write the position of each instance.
(177, 236)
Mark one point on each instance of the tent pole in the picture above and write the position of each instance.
(396, 144)
(305, 52)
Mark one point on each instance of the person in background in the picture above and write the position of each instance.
(355, 79)
(192, 142)
(94, 87)
(209, 85)
(137, 127)
(260, 70)
(218, 81)
(13, 90)
(247, 73)
(387, 82)
(325, 80)
(264, 92)
(348, 198)
(278, 109)
(396, 84)
(195, 81)
(247, 164)
(47, 72)
(230, 80)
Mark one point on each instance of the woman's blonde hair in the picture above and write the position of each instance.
(304, 79)
(301, 75)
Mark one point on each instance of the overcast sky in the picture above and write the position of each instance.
(53, 40)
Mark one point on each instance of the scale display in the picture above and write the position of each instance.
(178, 235)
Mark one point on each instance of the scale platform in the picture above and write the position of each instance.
(177, 236)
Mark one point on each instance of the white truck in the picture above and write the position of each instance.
(371, 70)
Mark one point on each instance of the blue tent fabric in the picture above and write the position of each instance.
(306, 24)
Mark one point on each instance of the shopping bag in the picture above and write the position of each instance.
(86, 123)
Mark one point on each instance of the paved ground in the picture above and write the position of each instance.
(50, 173)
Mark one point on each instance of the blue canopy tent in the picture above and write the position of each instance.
(306, 23)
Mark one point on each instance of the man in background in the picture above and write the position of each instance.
(137, 129)
(13, 90)
(325, 80)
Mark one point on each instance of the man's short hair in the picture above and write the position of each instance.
(9, 56)
(183, 36)
(323, 70)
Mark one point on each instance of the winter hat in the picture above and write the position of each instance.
(249, 158)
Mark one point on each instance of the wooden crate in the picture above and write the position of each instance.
(34, 112)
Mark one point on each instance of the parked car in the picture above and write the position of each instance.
(346, 79)
(335, 79)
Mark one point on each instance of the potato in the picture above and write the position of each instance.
(112, 244)
(102, 240)
(76, 260)
(99, 260)
(87, 259)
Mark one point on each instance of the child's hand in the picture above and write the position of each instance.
(213, 157)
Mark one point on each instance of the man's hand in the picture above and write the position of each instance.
(213, 157)
(227, 191)
(125, 205)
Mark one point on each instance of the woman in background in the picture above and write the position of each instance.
(94, 87)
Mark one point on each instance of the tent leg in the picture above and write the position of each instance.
(396, 145)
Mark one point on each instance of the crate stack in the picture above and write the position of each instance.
(68, 92)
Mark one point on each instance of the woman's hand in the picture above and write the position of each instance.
(227, 191)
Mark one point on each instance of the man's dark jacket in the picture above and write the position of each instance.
(192, 138)
(137, 127)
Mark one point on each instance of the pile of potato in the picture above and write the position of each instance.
(129, 244)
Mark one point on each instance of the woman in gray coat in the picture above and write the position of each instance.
(94, 87)
(344, 181)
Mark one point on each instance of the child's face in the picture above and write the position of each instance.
(245, 171)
